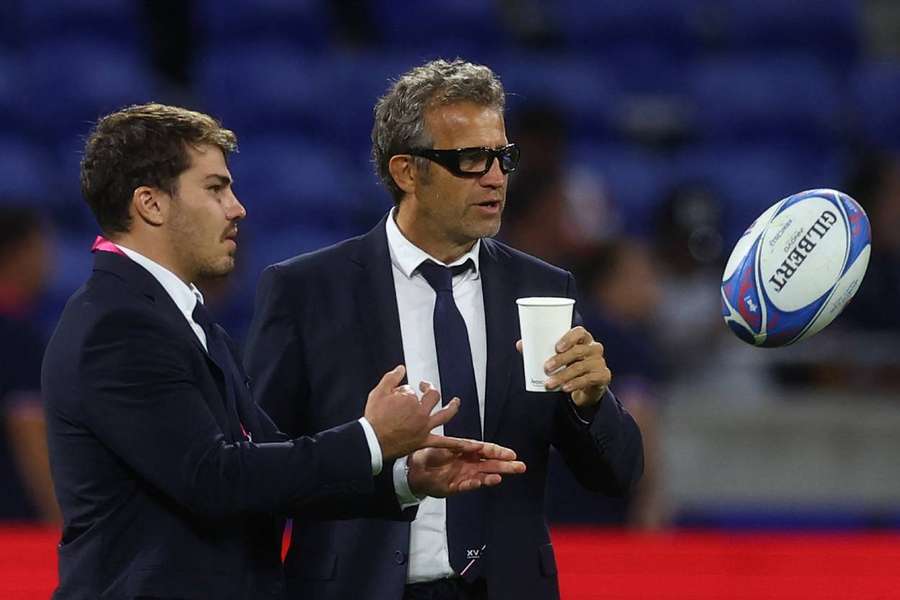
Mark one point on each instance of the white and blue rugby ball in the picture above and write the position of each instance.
(796, 268)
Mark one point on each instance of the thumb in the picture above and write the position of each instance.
(390, 380)
(519, 345)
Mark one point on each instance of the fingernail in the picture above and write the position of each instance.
(551, 383)
(549, 366)
(568, 387)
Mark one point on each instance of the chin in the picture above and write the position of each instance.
(219, 269)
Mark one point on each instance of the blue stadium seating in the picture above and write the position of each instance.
(450, 28)
(13, 94)
(588, 94)
(635, 179)
(48, 21)
(304, 24)
(75, 82)
(779, 99)
(289, 181)
(263, 87)
(827, 29)
(24, 171)
(749, 179)
(875, 90)
(597, 27)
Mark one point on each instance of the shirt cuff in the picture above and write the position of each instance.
(405, 496)
(374, 446)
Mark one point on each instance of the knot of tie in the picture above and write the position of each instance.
(439, 277)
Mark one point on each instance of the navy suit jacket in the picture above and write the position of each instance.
(161, 495)
(326, 327)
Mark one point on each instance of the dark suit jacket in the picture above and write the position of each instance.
(160, 494)
(326, 327)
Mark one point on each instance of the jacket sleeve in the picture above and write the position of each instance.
(605, 452)
(275, 360)
(142, 399)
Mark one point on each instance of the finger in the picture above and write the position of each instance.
(391, 379)
(433, 440)
(467, 485)
(576, 369)
(430, 398)
(519, 345)
(572, 355)
(495, 451)
(491, 480)
(443, 415)
(593, 379)
(405, 389)
(576, 335)
(424, 386)
(504, 467)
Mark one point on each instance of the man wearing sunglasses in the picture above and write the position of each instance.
(428, 287)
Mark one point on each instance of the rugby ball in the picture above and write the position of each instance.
(796, 268)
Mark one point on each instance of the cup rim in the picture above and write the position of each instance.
(545, 301)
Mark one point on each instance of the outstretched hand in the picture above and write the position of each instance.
(440, 472)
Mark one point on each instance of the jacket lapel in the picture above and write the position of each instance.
(375, 300)
(140, 280)
(500, 317)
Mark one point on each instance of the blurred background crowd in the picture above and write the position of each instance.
(652, 133)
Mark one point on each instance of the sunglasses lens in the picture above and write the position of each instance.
(509, 159)
(473, 161)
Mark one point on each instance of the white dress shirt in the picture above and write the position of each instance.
(428, 555)
(186, 297)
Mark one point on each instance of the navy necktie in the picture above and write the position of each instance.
(465, 512)
(219, 352)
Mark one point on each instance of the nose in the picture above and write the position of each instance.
(236, 210)
(494, 178)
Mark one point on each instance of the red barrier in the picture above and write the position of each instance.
(598, 565)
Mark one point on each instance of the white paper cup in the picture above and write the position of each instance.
(542, 321)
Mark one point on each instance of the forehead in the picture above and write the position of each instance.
(206, 160)
(465, 125)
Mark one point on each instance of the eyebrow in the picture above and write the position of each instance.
(221, 179)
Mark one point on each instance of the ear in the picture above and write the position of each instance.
(151, 205)
(404, 172)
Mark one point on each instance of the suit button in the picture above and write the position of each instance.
(400, 557)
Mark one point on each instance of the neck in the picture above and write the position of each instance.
(159, 253)
(429, 239)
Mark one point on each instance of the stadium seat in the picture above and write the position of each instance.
(597, 27)
(588, 94)
(24, 171)
(290, 181)
(304, 24)
(875, 90)
(749, 179)
(262, 88)
(635, 179)
(49, 21)
(451, 28)
(791, 99)
(13, 95)
(831, 30)
(75, 82)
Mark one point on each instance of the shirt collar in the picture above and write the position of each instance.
(406, 256)
(185, 296)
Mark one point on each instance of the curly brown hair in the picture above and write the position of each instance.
(139, 145)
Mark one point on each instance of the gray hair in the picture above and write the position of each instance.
(400, 113)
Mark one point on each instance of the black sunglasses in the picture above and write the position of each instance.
(472, 162)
